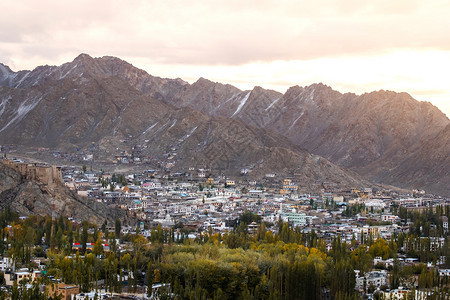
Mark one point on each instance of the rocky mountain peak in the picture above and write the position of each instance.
(5, 70)
(203, 81)
(83, 57)
(293, 90)
(6, 75)
(217, 86)
(259, 90)
(319, 86)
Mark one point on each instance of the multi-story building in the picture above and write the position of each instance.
(373, 278)
(297, 219)
(63, 290)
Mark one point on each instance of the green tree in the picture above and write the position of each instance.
(84, 237)
(380, 248)
(149, 275)
(118, 228)
(361, 259)
(98, 247)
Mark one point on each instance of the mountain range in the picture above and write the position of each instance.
(314, 131)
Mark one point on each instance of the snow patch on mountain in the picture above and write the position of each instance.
(271, 104)
(298, 118)
(24, 108)
(187, 135)
(241, 105)
(150, 128)
(173, 124)
(22, 79)
(3, 105)
(226, 101)
(68, 72)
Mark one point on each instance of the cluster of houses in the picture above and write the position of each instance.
(201, 203)
(56, 287)
(205, 201)
(11, 275)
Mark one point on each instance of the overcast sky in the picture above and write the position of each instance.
(351, 45)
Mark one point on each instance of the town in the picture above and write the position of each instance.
(396, 242)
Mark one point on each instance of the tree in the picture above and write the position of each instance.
(120, 281)
(126, 262)
(248, 217)
(380, 248)
(361, 259)
(104, 226)
(98, 247)
(39, 252)
(95, 235)
(262, 289)
(149, 279)
(343, 279)
(15, 294)
(117, 227)
(84, 238)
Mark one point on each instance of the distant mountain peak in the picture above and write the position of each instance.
(319, 85)
(5, 69)
(83, 56)
(6, 74)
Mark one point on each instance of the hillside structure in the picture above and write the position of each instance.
(49, 175)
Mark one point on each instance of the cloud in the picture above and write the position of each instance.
(225, 32)
(351, 45)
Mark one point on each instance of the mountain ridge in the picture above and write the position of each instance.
(111, 107)
(374, 134)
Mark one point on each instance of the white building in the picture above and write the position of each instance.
(297, 219)
(402, 294)
(375, 204)
(445, 223)
(90, 296)
(390, 218)
(5, 263)
(373, 278)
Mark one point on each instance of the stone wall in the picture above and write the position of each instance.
(50, 175)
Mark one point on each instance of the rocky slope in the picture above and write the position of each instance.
(384, 136)
(108, 105)
(30, 197)
(380, 135)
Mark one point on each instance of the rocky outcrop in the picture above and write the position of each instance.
(30, 197)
